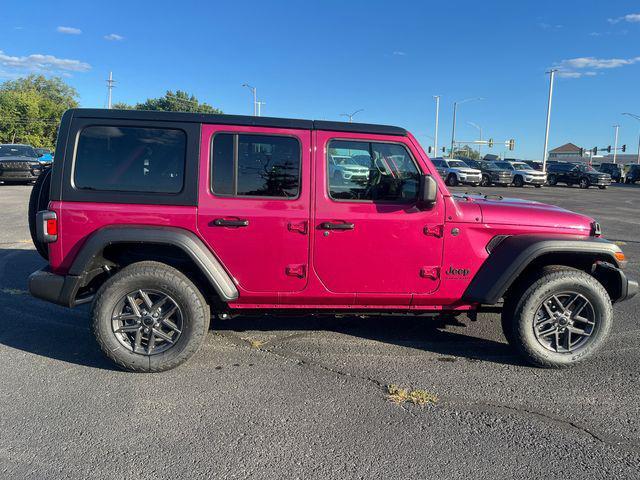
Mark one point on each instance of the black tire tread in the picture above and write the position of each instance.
(542, 278)
(160, 271)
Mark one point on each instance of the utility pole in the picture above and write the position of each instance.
(615, 143)
(453, 130)
(552, 73)
(479, 144)
(637, 117)
(110, 83)
(435, 138)
(255, 98)
(351, 115)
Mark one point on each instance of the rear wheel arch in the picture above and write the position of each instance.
(117, 247)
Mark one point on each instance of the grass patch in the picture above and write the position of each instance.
(255, 343)
(403, 395)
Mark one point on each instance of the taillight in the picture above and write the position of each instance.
(47, 226)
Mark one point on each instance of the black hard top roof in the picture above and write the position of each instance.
(237, 120)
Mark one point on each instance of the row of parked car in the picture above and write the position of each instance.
(22, 163)
(528, 172)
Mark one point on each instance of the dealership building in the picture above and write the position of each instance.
(570, 152)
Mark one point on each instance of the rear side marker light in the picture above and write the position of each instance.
(47, 226)
(52, 226)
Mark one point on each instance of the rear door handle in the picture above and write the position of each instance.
(337, 226)
(222, 222)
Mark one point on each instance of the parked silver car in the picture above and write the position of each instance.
(456, 171)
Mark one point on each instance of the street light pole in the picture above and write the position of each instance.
(552, 73)
(615, 143)
(453, 130)
(351, 115)
(110, 83)
(637, 117)
(480, 144)
(255, 98)
(435, 138)
(260, 107)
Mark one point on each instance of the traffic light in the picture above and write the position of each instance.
(512, 144)
(609, 149)
(490, 143)
(624, 148)
(429, 150)
(595, 151)
(444, 149)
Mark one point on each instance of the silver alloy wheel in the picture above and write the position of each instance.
(565, 322)
(147, 322)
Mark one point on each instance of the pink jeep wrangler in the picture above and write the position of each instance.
(160, 219)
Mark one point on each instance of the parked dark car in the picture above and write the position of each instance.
(18, 163)
(492, 174)
(535, 164)
(613, 169)
(633, 174)
(577, 174)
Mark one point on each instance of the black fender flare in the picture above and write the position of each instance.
(185, 240)
(512, 255)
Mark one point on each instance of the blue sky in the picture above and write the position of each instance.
(320, 59)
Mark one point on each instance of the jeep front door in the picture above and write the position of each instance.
(370, 238)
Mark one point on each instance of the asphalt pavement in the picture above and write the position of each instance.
(306, 397)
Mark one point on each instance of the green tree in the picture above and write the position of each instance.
(31, 108)
(178, 101)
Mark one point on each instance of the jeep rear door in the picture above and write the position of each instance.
(369, 237)
(253, 207)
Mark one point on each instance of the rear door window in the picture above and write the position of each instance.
(130, 159)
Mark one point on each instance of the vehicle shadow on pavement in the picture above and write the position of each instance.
(416, 332)
(38, 327)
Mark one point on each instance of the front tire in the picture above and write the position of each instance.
(584, 183)
(602, 187)
(486, 181)
(552, 180)
(518, 181)
(452, 180)
(149, 317)
(561, 318)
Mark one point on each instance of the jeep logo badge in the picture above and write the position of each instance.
(460, 272)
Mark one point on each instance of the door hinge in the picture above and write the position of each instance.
(298, 227)
(430, 272)
(434, 230)
(296, 270)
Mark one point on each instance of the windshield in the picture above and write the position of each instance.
(504, 165)
(17, 151)
(340, 160)
(521, 166)
(588, 168)
(457, 164)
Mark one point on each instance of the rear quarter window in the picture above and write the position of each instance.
(130, 159)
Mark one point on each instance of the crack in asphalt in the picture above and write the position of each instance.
(444, 401)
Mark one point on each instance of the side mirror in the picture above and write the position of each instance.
(427, 192)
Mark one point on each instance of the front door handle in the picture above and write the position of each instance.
(222, 222)
(336, 226)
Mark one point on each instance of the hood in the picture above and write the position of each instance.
(466, 170)
(514, 211)
(534, 173)
(354, 167)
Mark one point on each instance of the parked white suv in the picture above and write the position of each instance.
(524, 174)
(346, 169)
(456, 171)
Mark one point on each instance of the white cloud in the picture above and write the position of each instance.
(114, 37)
(400, 53)
(630, 18)
(69, 30)
(548, 26)
(39, 63)
(588, 66)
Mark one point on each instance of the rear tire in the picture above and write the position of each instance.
(531, 317)
(602, 187)
(165, 339)
(39, 200)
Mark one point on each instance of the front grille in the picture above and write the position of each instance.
(15, 165)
